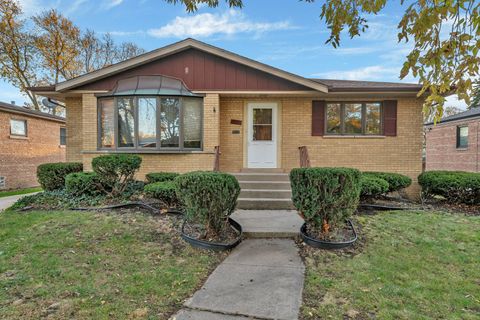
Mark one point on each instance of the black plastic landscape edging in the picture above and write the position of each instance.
(382, 207)
(122, 205)
(213, 245)
(316, 243)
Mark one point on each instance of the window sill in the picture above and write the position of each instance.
(462, 149)
(18, 137)
(352, 137)
(62, 146)
(148, 152)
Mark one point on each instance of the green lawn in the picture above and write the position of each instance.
(413, 265)
(19, 191)
(85, 265)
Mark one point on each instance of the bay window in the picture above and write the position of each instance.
(150, 123)
(353, 118)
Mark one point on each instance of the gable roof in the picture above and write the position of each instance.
(11, 108)
(354, 85)
(471, 113)
(181, 46)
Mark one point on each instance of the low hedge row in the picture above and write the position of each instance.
(161, 176)
(372, 187)
(83, 183)
(454, 186)
(377, 184)
(165, 191)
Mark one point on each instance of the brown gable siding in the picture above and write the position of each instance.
(203, 71)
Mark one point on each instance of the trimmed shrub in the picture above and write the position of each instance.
(325, 196)
(454, 186)
(164, 191)
(372, 187)
(209, 198)
(116, 171)
(51, 176)
(161, 176)
(83, 183)
(395, 181)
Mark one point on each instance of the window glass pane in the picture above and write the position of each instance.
(169, 122)
(126, 123)
(353, 118)
(63, 136)
(262, 132)
(262, 116)
(18, 127)
(106, 123)
(372, 122)
(333, 118)
(462, 139)
(147, 122)
(192, 123)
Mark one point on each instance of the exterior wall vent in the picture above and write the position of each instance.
(2, 182)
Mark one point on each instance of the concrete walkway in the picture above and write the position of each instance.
(261, 278)
(7, 202)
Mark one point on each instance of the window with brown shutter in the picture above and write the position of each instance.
(318, 117)
(353, 118)
(390, 118)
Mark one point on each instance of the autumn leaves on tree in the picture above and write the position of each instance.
(49, 48)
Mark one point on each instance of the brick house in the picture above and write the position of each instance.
(175, 104)
(28, 138)
(454, 142)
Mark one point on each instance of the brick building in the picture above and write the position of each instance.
(28, 138)
(454, 142)
(174, 105)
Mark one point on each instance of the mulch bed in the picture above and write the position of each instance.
(338, 234)
(197, 231)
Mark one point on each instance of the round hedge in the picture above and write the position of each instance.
(372, 187)
(161, 176)
(325, 196)
(82, 183)
(164, 191)
(116, 171)
(51, 176)
(209, 198)
(395, 181)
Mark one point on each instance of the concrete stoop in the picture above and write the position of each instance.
(268, 223)
(264, 189)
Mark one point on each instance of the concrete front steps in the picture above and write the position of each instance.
(264, 189)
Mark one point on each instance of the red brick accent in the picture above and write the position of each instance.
(19, 157)
(441, 147)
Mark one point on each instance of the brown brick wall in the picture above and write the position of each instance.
(19, 158)
(393, 154)
(441, 147)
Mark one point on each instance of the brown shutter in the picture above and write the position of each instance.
(318, 117)
(390, 118)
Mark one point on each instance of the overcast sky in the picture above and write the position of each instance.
(286, 34)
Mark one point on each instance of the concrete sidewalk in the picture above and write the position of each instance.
(7, 202)
(262, 278)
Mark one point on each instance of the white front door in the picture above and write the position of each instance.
(262, 135)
